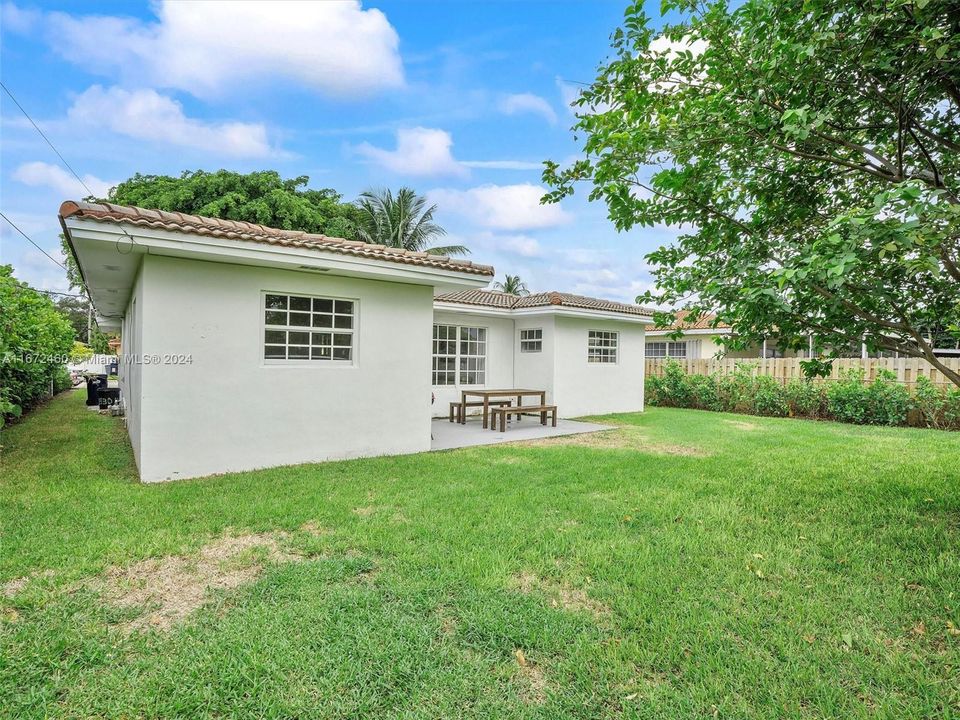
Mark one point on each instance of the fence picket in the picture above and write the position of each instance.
(907, 370)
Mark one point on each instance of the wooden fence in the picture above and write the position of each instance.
(907, 370)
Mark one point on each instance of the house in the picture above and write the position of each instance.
(703, 340)
(585, 352)
(249, 347)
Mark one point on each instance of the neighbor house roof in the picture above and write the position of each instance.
(705, 322)
(495, 299)
(238, 230)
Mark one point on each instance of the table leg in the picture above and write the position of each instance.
(519, 403)
(463, 408)
(486, 411)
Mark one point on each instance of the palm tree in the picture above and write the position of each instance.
(401, 221)
(512, 285)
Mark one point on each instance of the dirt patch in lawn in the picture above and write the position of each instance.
(533, 688)
(623, 438)
(365, 511)
(561, 595)
(172, 587)
(312, 527)
(741, 424)
(17, 585)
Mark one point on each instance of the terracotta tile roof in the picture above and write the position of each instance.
(706, 322)
(492, 298)
(237, 230)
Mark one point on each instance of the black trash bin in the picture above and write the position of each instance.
(93, 388)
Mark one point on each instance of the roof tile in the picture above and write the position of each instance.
(250, 232)
(495, 299)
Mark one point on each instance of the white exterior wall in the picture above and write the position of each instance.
(229, 411)
(536, 370)
(582, 388)
(129, 371)
(500, 368)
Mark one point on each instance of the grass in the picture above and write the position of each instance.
(781, 568)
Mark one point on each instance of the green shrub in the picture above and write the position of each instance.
(805, 398)
(35, 343)
(769, 397)
(939, 408)
(61, 379)
(883, 402)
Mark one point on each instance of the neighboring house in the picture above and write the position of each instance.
(702, 340)
(249, 347)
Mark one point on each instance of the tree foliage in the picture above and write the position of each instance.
(259, 197)
(809, 150)
(35, 343)
(512, 285)
(403, 220)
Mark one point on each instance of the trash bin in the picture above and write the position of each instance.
(93, 387)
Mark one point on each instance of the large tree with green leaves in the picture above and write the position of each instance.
(259, 197)
(809, 149)
(404, 220)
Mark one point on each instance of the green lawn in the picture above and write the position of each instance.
(689, 565)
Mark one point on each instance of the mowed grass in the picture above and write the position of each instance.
(779, 568)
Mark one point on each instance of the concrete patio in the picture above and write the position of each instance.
(448, 435)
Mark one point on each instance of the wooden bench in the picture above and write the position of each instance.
(503, 412)
(456, 408)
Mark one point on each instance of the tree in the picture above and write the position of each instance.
(403, 221)
(512, 285)
(35, 343)
(259, 197)
(75, 310)
(809, 150)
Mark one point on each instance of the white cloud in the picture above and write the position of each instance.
(420, 151)
(672, 48)
(502, 207)
(18, 20)
(503, 164)
(514, 244)
(210, 48)
(41, 174)
(427, 152)
(148, 115)
(527, 103)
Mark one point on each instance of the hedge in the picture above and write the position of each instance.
(35, 344)
(883, 401)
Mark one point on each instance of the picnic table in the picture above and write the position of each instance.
(488, 395)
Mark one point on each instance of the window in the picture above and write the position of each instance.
(531, 341)
(602, 346)
(307, 328)
(667, 349)
(444, 354)
(459, 355)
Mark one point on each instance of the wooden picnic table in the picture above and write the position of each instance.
(488, 395)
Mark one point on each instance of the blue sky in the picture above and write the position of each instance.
(461, 101)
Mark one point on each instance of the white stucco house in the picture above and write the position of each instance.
(247, 347)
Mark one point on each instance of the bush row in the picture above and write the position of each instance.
(882, 401)
(34, 340)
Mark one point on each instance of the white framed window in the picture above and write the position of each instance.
(531, 340)
(444, 354)
(459, 355)
(667, 349)
(306, 328)
(602, 346)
